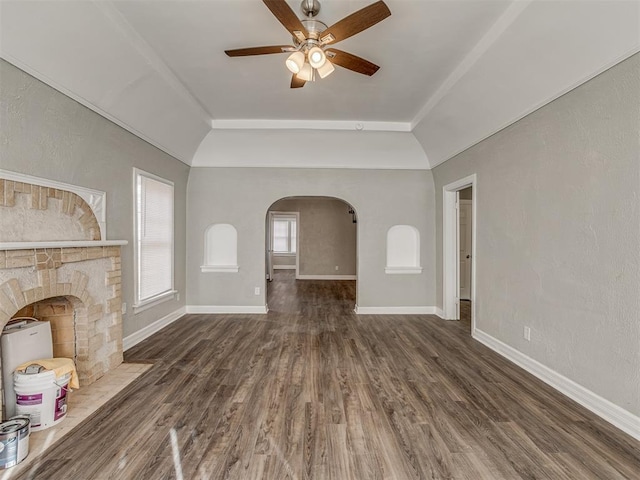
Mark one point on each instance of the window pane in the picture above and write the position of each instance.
(154, 237)
(280, 236)
(284, 234)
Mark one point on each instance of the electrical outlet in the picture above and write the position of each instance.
(527, 334)
(256, 291)
(124, 308)
(337, 268)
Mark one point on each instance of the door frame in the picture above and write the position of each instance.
(451, 249)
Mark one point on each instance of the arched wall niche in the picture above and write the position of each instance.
(220, 249)
(403, 250)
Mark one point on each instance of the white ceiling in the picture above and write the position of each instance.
(452, 72)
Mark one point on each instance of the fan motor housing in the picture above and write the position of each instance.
(314, 27)
(310, 8)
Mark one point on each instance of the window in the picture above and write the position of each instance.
(153, 239)
(284, 230)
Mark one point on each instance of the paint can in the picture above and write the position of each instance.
(14, 441)
(42, 396)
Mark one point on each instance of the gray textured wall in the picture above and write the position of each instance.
(559, 233)
(327, 235)
(46, 134)
(242, 196)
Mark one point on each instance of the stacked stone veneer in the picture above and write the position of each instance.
(60, 314)
(52, 203)
(90, 278)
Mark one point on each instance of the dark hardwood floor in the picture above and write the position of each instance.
(465, 315)
(312, 391)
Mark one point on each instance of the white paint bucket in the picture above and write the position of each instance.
(14, 441)
(42, 397)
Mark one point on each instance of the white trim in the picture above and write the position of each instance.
(153, 301)
(439, 312)
(145, 332)
(152, 58)
(481, 47)
(396, 310)
(267, 124)
(326, 277)
(450, 264)
(62, 244)
(402, 270)
(83, 101)
(284, 267)
(96, 199)
(537, 106)
(612, 413)
(219, 268)
(227, 309)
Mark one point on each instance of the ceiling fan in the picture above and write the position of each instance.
(311, 54)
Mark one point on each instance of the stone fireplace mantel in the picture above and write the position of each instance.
(61, 244)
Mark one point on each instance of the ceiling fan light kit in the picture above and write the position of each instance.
(306, 73)
(311, 40)
(326, 69)
(295, 62)
(316, 57)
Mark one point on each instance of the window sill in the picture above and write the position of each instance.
(152, 302)
(219, 268)
(403, 270)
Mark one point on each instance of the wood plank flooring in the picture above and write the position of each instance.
(312, 391)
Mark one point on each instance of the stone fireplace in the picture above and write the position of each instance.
(55, 265)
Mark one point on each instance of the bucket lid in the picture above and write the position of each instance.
(14, 424)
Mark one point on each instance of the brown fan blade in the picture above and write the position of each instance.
(282, 11)
(355, 23)
(297, 82)
(352, 62)
(243, 52)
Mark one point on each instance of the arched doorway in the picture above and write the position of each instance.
(311, 241)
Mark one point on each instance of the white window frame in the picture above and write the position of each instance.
(143, 304)
(286, 216)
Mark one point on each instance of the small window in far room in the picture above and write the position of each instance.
(284, 234)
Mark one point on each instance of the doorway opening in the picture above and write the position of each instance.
(311, 252)
(459, 245)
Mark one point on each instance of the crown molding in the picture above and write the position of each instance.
(110, 12)
(485, 43)
(267, 124)
(533, 108)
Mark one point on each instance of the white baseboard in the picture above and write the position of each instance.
(326, 277)
(396, 310)
(612, 413)
(145, 332)
(439, 312)
(284, 267)
(227, 309)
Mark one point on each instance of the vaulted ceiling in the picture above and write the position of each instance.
(452, 73)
